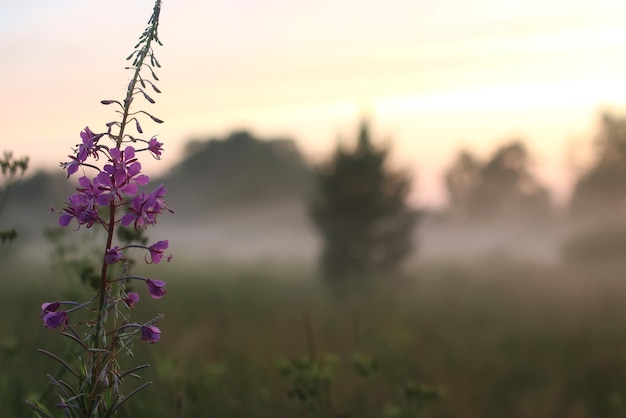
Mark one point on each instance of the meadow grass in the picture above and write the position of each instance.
(501, 339)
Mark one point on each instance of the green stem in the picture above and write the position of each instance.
(102, 306)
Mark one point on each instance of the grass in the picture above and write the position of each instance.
(501, 339)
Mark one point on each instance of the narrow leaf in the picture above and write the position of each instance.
(131, 394)
(41, 413)
(75, 338)
(60, 360)
(134, 369)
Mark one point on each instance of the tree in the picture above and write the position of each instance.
(462, 180)
(601, 191)
(503, 186)
(361, 211)
(240, 170)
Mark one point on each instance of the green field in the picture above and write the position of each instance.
(497, 339)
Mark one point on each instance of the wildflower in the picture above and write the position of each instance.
(150, 333)
(49, 307)
(155, 147)
(144, 208)
(156, 288)
(121, 178)
(78, 208)
(71, 166)
(82, 205)
(55, 319)
(130, 299)
(113, 255)
(87, 148)
(156, 252)
(159, 199)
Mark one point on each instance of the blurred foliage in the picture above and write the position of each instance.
(361, 211)
(74, 256)
(503, 186)
(600, 191)
(28, 209)
(236, 171)
(310, 383)
(12, 169)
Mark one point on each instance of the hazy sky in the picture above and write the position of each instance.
(433, 75)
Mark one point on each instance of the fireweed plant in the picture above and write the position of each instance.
(109, 195)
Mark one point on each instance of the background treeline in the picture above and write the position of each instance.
(242, 169)
(504, 184)
(270, 183)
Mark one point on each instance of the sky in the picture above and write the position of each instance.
(431, 75)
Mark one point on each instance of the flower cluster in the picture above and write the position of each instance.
(115, 187)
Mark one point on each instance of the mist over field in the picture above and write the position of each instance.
(243, 198)
(281, 229)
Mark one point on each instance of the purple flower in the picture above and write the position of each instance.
(159, 199)
(156, 288)
(156, 252)
(82, 205)
(113, 255)
(79, 209)
(155, 147)
(120, 178)
(143, 209)
(131, 298)
(72, 166)
(49, 307)
(87, 148)
(150, 333)
(55, 319)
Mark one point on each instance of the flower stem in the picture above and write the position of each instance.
(102, 306)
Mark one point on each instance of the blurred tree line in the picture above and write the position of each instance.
(356, 200)
(239, 170)
(600, 190)
(502, 186)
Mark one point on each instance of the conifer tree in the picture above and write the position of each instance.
(361, 211)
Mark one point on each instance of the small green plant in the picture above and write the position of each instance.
(414, 396)
(311, 378)
(309, 383)
(366, 365)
